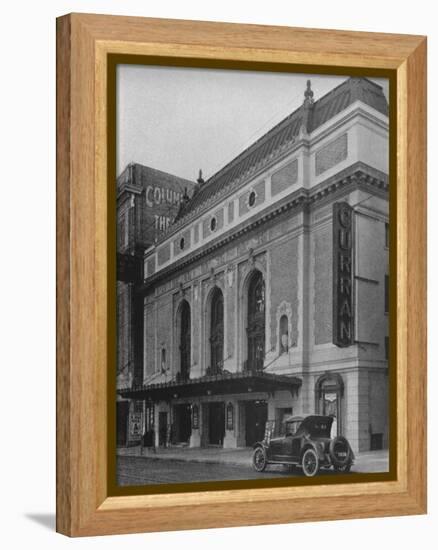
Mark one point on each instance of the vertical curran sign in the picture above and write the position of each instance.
(343, 301)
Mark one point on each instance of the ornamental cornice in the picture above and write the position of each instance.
(353, 176)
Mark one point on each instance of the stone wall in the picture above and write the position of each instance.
(284, 287)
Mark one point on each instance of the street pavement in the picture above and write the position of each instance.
(136, 470)
(136, 466)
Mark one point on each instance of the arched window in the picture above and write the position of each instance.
(329, 393)
(217, 332)
(185, 340)
(256, 322)
(284, 334)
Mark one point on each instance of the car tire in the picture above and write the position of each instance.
(335, 444)
(259, 460)
(310, 463)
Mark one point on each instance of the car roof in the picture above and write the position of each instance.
(290, 418)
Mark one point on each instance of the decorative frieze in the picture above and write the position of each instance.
(213, 223)
(163, 254)
(284, 178)
(333, 153)
(181, 243)
(252, 198)
(150, 266)
(230, 212)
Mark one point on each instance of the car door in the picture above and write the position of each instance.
(276, 446)
(295, 447)
(287, 448)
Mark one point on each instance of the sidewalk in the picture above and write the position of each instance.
(371, 461)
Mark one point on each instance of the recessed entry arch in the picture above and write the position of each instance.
(253, 320)
(214, 323)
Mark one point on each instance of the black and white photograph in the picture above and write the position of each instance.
(252, 275)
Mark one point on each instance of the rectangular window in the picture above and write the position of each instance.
(386, 294)
(387, 235)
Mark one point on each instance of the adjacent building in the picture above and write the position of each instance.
(268, 294)
(148, 200)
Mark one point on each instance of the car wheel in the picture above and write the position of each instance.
(259, 459)
(340, 452)
(310, 463)
(343, 469)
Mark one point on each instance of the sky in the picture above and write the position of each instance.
(181, 120)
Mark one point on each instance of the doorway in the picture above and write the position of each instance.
(216, 423)
(329, 396)
(185, 341)
(162, 429)
(256, 415)
(183, 423)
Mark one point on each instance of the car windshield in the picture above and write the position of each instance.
(291, 428)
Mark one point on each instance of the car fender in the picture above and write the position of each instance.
(317, 448)
(264, 446)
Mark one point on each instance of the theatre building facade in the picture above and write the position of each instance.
(268, 295)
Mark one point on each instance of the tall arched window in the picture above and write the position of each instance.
(185, 341)
(256, 322)
(217, 332)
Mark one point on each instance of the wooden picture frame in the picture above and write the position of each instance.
(84, 43)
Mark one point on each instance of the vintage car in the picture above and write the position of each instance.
(303, 442)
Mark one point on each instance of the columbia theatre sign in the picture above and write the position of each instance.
(343, 304)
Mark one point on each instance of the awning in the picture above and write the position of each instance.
(219, 384)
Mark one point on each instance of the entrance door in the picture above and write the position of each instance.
(216, 423)
(162, 429)
(183, 423)
(256, 415)
(185, 341)
(329, 391)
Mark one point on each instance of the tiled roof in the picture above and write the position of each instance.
(320, 112)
